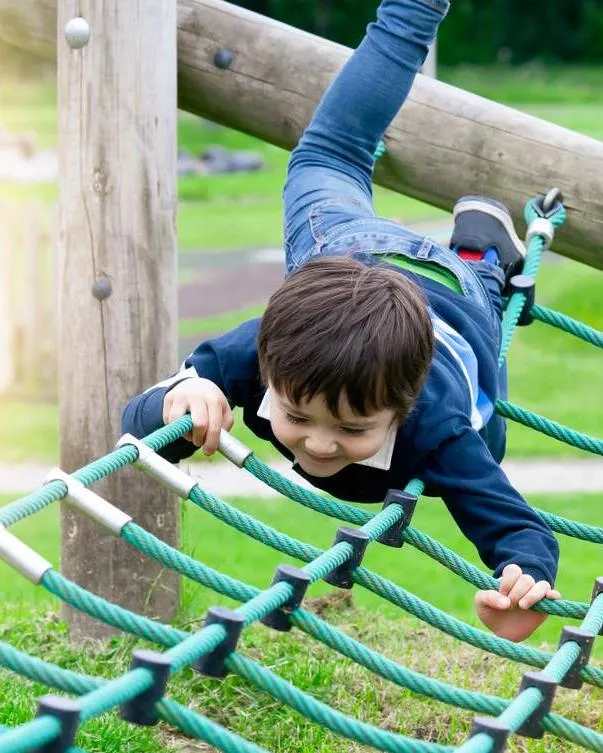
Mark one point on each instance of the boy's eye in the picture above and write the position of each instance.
(352, 430)
(295, 419)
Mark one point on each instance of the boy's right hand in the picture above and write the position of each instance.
(208, 407)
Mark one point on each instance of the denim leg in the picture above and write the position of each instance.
(334, 158)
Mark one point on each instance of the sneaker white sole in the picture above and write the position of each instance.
(502, 216)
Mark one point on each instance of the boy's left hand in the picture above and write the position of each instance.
(507, 611)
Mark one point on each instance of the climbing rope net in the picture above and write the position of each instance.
(140, 693)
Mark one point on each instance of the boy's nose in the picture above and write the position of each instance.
(320, 445)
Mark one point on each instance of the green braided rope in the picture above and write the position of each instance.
(567, 324)
(550, 428)
(192, 646)
(419, 540)
(324, 715)
(174, 713)
(31, 735)
(335, 639)
(90, 474)
(422, 541)
(518, 300)
(381, 586)
(526, 703)
(571, 527)
(380, 151)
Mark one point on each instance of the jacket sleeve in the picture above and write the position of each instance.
(488, 510)
(229, 361)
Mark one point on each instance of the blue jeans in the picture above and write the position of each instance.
(328, 206)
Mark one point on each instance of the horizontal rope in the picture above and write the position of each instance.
(89, 474)
(419, 540)
(344, 644)
(567, 324)
(190, 722)
(381, 586)
(551, 428)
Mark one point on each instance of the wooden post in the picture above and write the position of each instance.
(444, 143)
(117, 277)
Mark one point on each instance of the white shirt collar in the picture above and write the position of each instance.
(381, 460)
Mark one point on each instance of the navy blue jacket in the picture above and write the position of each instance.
(436, 443)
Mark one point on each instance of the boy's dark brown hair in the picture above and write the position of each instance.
(337, 326)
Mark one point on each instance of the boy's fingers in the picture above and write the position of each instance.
(553, 594)
(522, 586)
(227, 417)
(199, 419)
(492, 599)
(509, 577)
(536, 593)
(214, 424)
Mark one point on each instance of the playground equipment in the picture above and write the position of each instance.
(213, 650)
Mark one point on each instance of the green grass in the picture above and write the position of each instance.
(530, 83)
(313, 668)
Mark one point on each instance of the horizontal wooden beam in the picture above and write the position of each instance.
(444, 143)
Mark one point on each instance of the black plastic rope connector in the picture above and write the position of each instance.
(342, 575)
(213, 664)
(494, 728)
(141, 709)
(527, 285)
(597, 590)
(67, 712)
(585, 640)
(299, 580)
(394, 536)
(532, 727)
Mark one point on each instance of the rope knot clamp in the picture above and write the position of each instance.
(213, 664)
(532, 727)
(342, 576)
(526, 285)
(67, 712)
(585, 641)
(299, 580)
(494, 728)
(394, 536)
(597, 591)
(141, 709)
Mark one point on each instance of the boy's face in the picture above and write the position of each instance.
(323, 444)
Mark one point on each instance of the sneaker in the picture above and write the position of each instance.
(483, 225)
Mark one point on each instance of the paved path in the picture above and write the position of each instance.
(222, 478)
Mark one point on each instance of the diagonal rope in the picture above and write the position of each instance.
(567, 324)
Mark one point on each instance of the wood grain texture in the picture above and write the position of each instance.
(444, 143)
(117, 162)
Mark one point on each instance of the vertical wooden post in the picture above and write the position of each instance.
(117, 274)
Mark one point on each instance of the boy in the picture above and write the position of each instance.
(376, 360)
